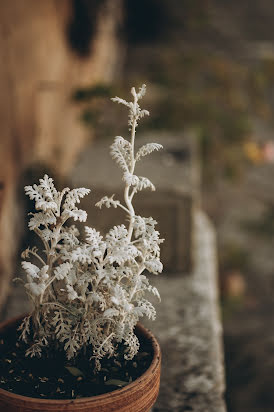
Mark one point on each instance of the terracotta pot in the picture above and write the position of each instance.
(138, 396)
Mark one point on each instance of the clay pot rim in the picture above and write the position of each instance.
(116, 393)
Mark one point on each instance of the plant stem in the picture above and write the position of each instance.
(59, 305)
(38, 257)
(128, 199)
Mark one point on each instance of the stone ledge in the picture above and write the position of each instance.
(189, 329)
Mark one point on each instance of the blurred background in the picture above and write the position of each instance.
(209, 68)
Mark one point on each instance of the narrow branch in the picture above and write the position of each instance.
(40, 234)
(134, 191)
(128, 199)
(50, 281)
(105, 341)
(135, 286)
(59, 305)
(38, 257)
(124, 208)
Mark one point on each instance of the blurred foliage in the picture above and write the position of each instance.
(88, 93)
(234, 263)
(153, 21)
(192, 84)
(233, 256)
(203, 91)
(218, 97)
(97, 112)
(264, 226)
(145, 20)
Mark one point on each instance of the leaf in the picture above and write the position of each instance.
(48, 187)
(109, 313)
(93, 237)
(119, 152)
(31, 269)
(142, 91)
(154, 291)
(130, 179)
(116, 382)
(74, 371)
(72, 294)
(75, 195)
(147, 149)
(82, 254)
(78, 214)
(108, 202)
(62, 270)
(69, 236)
(35, 288)
(154, 266)
(71, 346)
(120, 101)
(46, 234)
(138, 182)
(43, 273)
(117, 234)
(118, 246)
(123, 253)
(143, 113)
(145, 183)
(37, 193)
(41, 219)
(25, 328)
(146, 308)
(141, 355)
(123, 143)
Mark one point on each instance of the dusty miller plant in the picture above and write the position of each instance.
(91, 293)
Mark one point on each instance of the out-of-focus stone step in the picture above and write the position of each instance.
(189, 330)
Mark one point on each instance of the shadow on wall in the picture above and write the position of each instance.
(82, 25)
(145, 20)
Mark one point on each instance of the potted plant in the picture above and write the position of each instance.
(80, 348)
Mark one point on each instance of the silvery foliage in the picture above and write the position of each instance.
(91, 292)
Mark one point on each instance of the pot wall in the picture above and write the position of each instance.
(138, 396)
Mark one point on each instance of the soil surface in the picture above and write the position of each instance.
(54, 377)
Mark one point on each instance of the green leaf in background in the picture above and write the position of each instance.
(74, 371)
(88, 93)
(116, 382)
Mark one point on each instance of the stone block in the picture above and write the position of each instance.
(175, 173)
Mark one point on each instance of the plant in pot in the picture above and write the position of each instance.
(81, 348)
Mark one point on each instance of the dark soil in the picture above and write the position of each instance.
(54, 377)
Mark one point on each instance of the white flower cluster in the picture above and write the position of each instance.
(91, 292)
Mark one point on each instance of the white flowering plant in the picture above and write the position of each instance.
(91, 293)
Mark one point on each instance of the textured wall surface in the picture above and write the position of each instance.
(38, 72)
